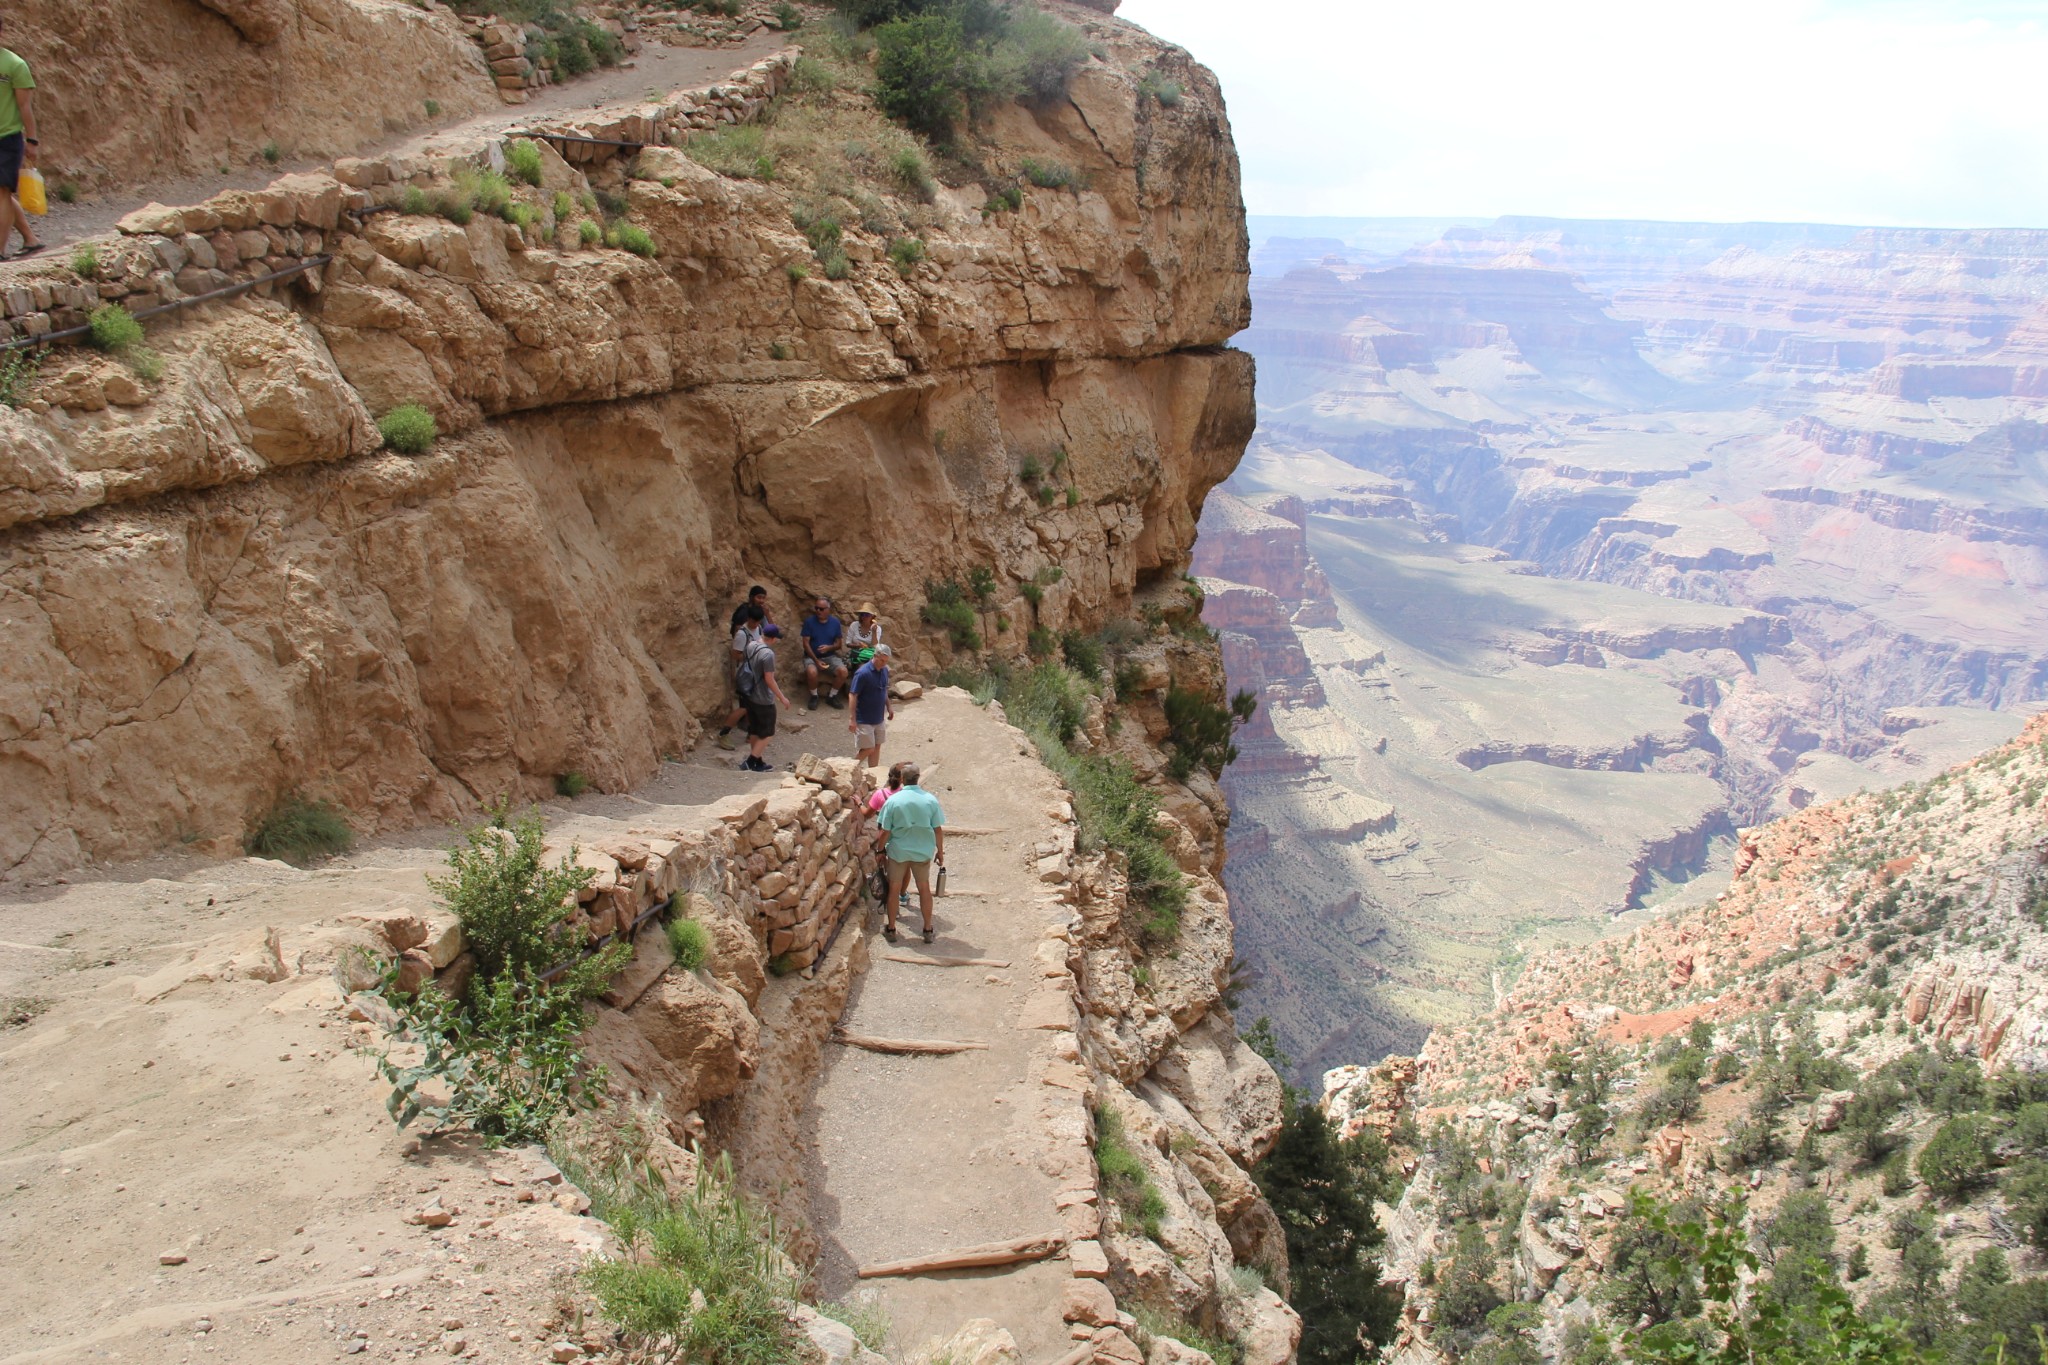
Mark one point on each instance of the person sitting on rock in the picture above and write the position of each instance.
(757, 684)
(18, 147)
(747, 619)
(914, 837)
(864, 634)
(824, 652)
(872, 709)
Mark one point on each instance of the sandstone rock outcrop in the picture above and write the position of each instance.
(541, 593)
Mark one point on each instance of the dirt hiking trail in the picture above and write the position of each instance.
(196, 1165)
(912, 1156)
(657, 70)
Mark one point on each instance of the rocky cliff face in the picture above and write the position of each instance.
(1874, 971)
(224, 591)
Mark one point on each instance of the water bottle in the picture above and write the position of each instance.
(940, 889)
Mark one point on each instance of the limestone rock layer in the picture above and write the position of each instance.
(221, 590)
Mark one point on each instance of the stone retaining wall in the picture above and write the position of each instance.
(164, 254)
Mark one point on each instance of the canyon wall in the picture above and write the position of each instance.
(1659, 530)
(224, 591)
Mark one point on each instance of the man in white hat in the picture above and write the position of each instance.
(872, 709)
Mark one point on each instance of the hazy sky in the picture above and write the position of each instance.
(1918, 112)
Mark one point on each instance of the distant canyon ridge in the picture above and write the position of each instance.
(1566, 549)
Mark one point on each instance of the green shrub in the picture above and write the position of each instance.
(1958, 1157)
(508, 1062)
(1163, 88)
(924, 70)
(1124, 1178)
(514, 908)
(798, 272)
(629, 237)
(812, 77)
(1200, 730)
(1082, 653)
(779, 351)
(572, 53)
(113, 328)
(564, 206)
(1153, 1323)
(703, 1276)
(414, 202)
(1046, 494)
(522, 158)
(1040, 643)
(788, 17)
(433, 108)
(18, 370)
(908, 169)
(946, 605)
(739, 152)
(1036, 56)
(1051, 175)
(589, 233)
(144, 363)
(904, 254)
(1032, 593)
(272, 153)
(297, 830)
(521, 216)
(1008, 199)
(67, 192)
(1073, 496)
(571, 784)
(689, 941)
(85, 262)
(409, 429)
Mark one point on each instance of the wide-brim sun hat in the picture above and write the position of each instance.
(866, 609)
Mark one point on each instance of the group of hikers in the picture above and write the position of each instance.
(840, 660)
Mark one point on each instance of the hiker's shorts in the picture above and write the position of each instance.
(12, 149)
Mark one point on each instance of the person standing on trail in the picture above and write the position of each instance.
(916, 829)
(864, 635)
(747, 619)
(872, 709)
(18, 146)
(824, 652)
(757, 684)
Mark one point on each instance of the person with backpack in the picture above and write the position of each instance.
(747, 619)
(872, 709)
(760, 692)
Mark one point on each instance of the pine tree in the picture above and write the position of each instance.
(1324, 1202)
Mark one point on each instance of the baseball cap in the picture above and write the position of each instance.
(772, 631)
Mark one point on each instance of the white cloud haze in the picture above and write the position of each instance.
(1912, 112)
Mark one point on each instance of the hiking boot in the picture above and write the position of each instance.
(755, 765)
(837, 701)
(812, 705)
(726, 741)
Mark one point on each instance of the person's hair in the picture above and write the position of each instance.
(895, 774)
(756, 591)
(911, 773)
(754, 612)
(826, 600)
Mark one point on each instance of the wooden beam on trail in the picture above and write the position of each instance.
(1014, 1252)
(906, 1047)
(916, 960)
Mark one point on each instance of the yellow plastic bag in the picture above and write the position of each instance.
(32, 194)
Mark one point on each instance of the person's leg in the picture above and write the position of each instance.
(899, 873)
(923, 873)
(811, 680)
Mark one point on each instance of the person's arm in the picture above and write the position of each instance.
(25, 101)
(939, 834)
(775, 686)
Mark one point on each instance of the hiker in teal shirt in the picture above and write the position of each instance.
(916, 830)
(18, 146)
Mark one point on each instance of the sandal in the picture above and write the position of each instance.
(31, 250)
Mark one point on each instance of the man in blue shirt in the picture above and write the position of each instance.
(914, 837)
(824, 638)
(872, 709)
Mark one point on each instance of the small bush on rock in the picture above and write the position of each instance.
(114, 328)
(689, 941)
(522, 158)
(629, 237)
(1124, 1178)
(298, 831)
(409, 429)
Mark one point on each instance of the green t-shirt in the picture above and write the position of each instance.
(14, 76)
(910, 817)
